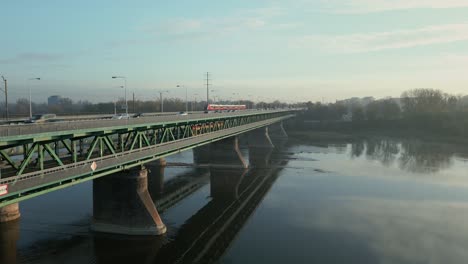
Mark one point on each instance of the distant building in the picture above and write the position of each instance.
(54, 100)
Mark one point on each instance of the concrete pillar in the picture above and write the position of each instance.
(243, 140)
(201, 155)
(260, 138)
(259, 157)
(225, 153)
(9, 235)
(123, 205)
(277, 130)
(9, 213)
(156, 178)
(260, 148)
(160, 162)
(224, 182)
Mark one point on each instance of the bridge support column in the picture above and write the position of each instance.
(226, 154)
(260, 148)
(259, 138)
(9, 235)
(156, 177)
(201, 155)
(227, 168)
(123, 205)
(277, 131)
(9, 213)
(259, 157)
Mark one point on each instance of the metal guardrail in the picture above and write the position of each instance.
(77, 126)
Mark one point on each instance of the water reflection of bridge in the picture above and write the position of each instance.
(235, 193)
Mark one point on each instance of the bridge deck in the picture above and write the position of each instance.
(113, 146)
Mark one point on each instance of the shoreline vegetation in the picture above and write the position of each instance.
(423, 114)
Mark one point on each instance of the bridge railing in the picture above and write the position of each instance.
(34, 178)
(31, 130)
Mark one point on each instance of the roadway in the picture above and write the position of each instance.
(62, 118)
(73, 125)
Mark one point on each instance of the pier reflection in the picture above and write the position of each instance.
(125, 249)
(208, 233)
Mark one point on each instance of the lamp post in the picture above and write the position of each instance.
(30, 104)
(125, 86)
(161, 99)
(186, 99)
(6, 98)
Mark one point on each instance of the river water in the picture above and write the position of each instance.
(374, 200)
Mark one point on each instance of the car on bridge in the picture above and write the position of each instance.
(120, 116)
(42, 118)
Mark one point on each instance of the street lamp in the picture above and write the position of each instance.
(125, 85)
(186, 99)
(30, 104)
(161, 99)
(6, 98)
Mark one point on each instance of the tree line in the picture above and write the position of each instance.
(422, 109)
(66, 106)
(412, 103)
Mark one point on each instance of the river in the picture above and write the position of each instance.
(374, 200)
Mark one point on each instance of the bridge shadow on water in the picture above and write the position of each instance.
(202, 238)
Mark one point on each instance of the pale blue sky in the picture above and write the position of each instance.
(290, 50)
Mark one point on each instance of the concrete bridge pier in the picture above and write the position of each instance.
(260, 138)
(227, 168)
(201, 155)
(225, 153)
(260, 148)
(277, 131)
(156, 177)
(9, 213)
(9, 235)
(278, 135)
(259, 157)
(123, 205)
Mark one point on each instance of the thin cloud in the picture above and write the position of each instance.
(377, 41)
(240, 21)
(370, 6)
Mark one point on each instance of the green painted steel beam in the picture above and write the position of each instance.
(164, 133)
(76, 179)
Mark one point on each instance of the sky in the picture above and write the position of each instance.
(263, 50)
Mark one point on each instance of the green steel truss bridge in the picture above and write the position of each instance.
(40, 158)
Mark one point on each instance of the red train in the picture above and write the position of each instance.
(216, 107)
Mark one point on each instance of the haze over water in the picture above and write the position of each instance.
(369, 201)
